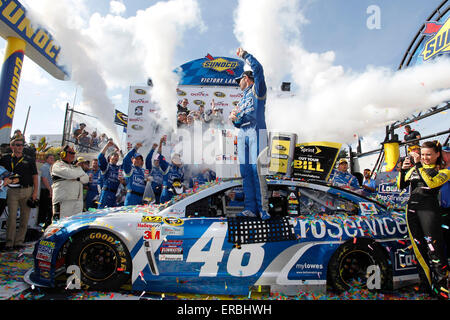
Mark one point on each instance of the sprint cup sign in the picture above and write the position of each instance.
(315, 160)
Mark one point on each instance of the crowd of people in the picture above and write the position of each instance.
(78, 184)
(73, 184)
(87, 142)
(211, 118)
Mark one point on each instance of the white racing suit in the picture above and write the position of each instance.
(67, 186)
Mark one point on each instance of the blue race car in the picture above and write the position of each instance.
(318, 237)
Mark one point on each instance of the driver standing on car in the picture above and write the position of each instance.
(249, 117)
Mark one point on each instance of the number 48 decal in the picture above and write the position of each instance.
(211, 258)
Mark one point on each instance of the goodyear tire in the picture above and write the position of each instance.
(349, 265)
(104, 261)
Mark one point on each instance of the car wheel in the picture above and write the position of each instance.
(103, 259)
(349, 265)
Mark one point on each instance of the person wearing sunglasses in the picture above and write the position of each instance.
(24, 167)
(68, 180)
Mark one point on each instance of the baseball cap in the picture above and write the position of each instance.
(247, 73)
(342, 160)
(81, 159)
(136, 155)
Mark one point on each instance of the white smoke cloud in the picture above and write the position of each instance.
(107, 52)
(331, 103)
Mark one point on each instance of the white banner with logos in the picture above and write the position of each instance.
(211, 145)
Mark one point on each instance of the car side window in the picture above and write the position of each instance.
(320, 202)
(211, 206)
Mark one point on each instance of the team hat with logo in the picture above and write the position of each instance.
(247, 73)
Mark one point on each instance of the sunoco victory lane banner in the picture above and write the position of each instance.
(315, 160)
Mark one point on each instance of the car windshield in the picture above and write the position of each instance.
(184, 195)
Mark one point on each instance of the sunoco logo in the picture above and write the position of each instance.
(439, 41)
(220, 65)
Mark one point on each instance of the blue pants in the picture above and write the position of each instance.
(107, 199)
(157, 188)
(249, 144)
(166, 195)
(91, 194)
(132, 199)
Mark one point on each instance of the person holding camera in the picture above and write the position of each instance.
(425, 173)
(68, 179)
(25, 190)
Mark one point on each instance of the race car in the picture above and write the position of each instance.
(319, 237)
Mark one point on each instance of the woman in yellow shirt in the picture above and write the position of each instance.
(426, 173)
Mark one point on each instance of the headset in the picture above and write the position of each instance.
(63, 153)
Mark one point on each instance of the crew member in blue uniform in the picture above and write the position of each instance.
(174, 174)
(94, 177)
(110, 176)
(249, 117)
(204, 176)
(134, 176)
(342, 178)
(155, 172)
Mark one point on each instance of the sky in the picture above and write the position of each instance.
(345, 82)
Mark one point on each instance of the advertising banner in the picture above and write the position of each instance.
(315, 160)
(121, 118)
(436, 41)
(388, 193)
(211, 71)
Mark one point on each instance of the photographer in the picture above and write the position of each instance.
(68, 180)
(26, 190)
(426, 173)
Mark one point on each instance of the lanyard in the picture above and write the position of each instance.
(12, 163)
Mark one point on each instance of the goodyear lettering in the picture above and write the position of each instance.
(101, 236)
(14, 13)
(14, 88)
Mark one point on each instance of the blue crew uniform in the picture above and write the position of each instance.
(172, 172)
(202, 178)
(343, 179)
(252, 136)
(110, 182)
(92, 188)
(157, 175)
(135, 179)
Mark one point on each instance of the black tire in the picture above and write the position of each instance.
(350, 262)
(104, 261)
